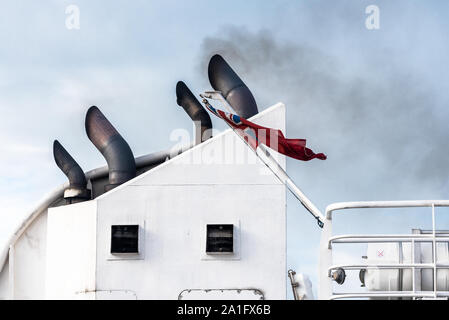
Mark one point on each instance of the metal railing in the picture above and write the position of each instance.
(429, 236)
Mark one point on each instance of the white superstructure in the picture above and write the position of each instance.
(65, 252)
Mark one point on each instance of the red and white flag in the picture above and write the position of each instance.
(272, 138)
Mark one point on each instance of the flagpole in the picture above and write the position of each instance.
(264, 155)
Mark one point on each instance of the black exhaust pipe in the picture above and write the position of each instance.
(186, 99)
(234, 90)
(77, 190)
(116, 151)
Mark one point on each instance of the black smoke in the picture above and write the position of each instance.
(380, 126)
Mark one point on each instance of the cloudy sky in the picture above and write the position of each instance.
(375, 101)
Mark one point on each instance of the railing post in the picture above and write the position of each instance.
(325, 282)
(413, 269)
(434, 245)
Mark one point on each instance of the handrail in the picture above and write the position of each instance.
(388, 266)
(383, 204)
(373, 238)
(390, 294)
(431, 236)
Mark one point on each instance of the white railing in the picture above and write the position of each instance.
(432, 236)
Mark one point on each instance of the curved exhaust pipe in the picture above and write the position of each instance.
(234, 90)
(77, 190)
(186, 99)
(116, 151)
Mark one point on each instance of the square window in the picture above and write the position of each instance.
(125, 239)
(220, 238)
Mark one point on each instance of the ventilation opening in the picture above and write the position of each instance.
(124, 239)
(220, 238)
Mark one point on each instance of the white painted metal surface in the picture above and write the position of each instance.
(221, 294)
(115, 295)
(27, 261)
(71, 251)
(4, 283)
(206, 184)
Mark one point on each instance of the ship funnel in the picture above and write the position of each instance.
(234, 90)
(186, 99)
(77, 190)
(116, 151)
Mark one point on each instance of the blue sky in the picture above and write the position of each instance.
(128, 55)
